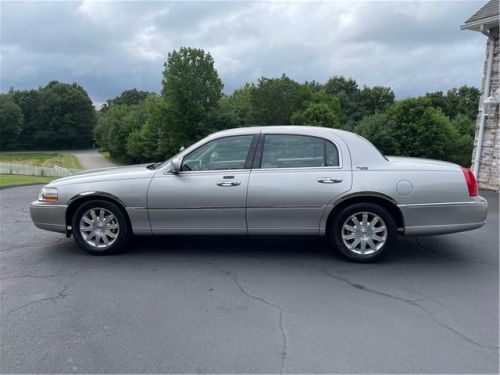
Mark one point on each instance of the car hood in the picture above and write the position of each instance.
(419, 163)
(113, 173)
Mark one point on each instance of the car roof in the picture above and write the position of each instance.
(311, 130)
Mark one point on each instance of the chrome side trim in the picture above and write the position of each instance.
(49, 205)
(438, 204)
(221, 207)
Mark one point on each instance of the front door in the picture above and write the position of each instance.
(292, 184)
(208, 195)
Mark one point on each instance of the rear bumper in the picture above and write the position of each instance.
(442, 218)
(49, 216)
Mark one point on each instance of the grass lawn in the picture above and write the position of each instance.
(41, 159)
(13, 179)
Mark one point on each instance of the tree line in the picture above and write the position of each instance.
(140, 126)
(57, 116)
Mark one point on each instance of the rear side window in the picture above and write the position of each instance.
(298, 151)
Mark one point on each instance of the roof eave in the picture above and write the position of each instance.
(489, 23)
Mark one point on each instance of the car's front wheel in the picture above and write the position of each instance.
(363, 232)
(100, 227)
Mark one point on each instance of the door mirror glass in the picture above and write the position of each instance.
(175, 165)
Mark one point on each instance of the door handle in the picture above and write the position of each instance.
(228, 183)
(330, 180)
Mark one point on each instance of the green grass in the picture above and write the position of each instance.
(109, 157)
(41, 159)
(13, 180)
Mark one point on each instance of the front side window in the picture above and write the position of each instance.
(219, 154)
(298, 151)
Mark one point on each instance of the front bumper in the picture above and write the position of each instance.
(49, 216)
(442, 218)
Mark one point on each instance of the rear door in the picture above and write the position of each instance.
(294, 178)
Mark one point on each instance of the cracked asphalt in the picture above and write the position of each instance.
(233, 305)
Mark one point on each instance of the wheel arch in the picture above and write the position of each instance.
(368, 197)
(81, 198)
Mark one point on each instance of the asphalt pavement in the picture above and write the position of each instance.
(92, 159)
(235, 304)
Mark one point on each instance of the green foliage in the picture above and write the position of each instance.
(28, 101)
(357, 103)
(138, 126)
(41, 159)
(66, 117)
(412, 127)
(128, 97)
(117, 125)
(11, 122)
(191, 89)
(461, 101)
(13, 180)
(318, 114)
(236, 110)
(465, 127)
(57, 116)
(322, 110)
(143, 144)
(275, 99)
(377, 129)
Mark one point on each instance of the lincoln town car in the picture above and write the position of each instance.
(271, 180)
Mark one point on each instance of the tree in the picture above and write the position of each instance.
(29, 102)
(236, 109)
(127, 97)
(115, 127)
(318, 114)
(275, 99)
(143, 144)
(378, 129)
(191, 89)
(422, 130)
(11, 122)
(373, 99)
(66, 117)
(465, 127)
(338, 85)
(463, 100)
(322, 110)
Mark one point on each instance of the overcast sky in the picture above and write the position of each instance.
(108, 47)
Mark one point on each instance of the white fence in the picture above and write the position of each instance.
(30, 170)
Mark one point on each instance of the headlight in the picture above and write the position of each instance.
(48, 194)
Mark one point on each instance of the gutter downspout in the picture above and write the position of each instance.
(486, 93)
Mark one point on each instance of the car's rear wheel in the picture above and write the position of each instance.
(100, 227)
(363, 232)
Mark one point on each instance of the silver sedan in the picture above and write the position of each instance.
(287, 180)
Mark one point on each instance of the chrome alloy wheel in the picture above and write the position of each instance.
(364, 233)
(99, 227)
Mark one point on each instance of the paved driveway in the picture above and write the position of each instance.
(239, 305)
(92, 159)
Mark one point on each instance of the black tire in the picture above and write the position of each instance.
(336, 231)
(123, 234)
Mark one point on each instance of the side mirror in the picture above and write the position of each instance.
(175, 165)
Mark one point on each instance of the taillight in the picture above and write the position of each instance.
(471, 182)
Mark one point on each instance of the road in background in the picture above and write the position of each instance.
(92, 159)
(240, 305)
